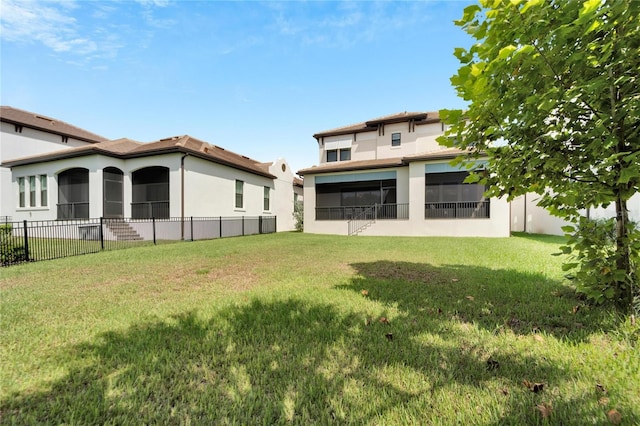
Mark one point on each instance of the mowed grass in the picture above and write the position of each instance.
(308, 329)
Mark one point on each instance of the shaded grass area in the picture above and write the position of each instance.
(305, 329)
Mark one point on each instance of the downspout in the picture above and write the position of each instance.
(182, 195)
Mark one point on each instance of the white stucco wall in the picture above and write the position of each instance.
(526, 216)
(371, 146)
(17, 145)
(210, 191)
(282, 199)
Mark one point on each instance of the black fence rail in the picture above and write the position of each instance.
(377, 211)
(30, 241)
(458, 210)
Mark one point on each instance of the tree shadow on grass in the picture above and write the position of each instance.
(497, 300)
(292, 361)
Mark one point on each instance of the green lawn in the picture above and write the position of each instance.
(307, 329)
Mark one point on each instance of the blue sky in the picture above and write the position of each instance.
(257, 78)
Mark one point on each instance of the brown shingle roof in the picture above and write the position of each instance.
(40, 122)
(344, 166)
(372, 125)
(126, 148)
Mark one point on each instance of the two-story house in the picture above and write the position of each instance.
(389, 176)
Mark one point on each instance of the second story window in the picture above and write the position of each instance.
(395, 139)
(343, 154)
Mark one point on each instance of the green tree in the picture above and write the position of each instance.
(554, 101)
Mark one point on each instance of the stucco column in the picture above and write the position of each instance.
(96, 196)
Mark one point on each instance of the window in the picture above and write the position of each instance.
(239, 194)
(266, 198)
(32, 191)
(21, 197)
(35, 183)
(395, 139)
(447, 196)
(333, 154)
(43, 191)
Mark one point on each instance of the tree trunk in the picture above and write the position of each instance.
(623, 253)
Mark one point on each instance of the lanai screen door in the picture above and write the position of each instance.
(113, 192)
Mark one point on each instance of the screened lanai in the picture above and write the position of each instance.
(150, 197)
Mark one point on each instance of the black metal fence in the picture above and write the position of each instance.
(30, 241)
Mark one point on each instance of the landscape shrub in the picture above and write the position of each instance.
(11, 250)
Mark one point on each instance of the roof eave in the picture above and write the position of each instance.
(317, 171)
(55, 132)
(124, 156)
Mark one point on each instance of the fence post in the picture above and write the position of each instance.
(191, 228)
(153, 221)
(220, 226)
(26, 241)
(101, 234)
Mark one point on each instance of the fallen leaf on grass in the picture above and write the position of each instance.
(544, 409)
(365, 293)
(533, 387)
(538, 338)
(603, 401)
(454, 280)
(471, 298)
(614, 416)
(576, 309)
(384, 320)
(601, 388)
